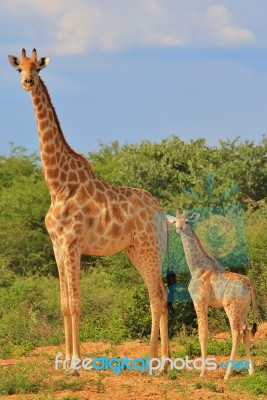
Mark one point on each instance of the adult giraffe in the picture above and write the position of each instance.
(89, 216)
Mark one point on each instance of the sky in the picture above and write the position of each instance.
(133, 70)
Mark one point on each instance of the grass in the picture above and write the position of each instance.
(24, 378)
(254, 384)
(206, 385)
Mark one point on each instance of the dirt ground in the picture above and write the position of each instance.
(131, 385)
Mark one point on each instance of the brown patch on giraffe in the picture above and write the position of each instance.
(52, 173)
(63, 176)
(72, 176)
(81, 196)
(72, 164)
(37, 101)
(39, 108)
(99, 197)
(69, 208)
(90, 208)
(46, 158)
(72, 188)
(65, 167)
(48, 135)
(79, 217)
(53, 160)
(82, 176)
(49, 148)
(43, 124)
(42, 114)
(89, 222)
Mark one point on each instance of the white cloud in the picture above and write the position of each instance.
(85, 25)
(223, 28)
(237, 35)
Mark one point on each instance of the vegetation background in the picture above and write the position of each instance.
(29, 288)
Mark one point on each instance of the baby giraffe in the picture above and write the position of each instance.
(211, 286)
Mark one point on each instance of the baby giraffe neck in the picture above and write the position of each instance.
(196, 256)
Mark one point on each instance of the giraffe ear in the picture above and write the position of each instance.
(193, 217)
(14, 61)
(43, 62)
(171, 219)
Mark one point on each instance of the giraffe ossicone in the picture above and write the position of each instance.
(211, 286)
(90, 216)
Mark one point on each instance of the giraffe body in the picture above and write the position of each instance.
(90, 216)
(211, 286)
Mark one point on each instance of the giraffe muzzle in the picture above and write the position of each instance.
(28, 84)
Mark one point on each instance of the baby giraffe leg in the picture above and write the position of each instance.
(202, 318)
(245, 340)
(233, 314)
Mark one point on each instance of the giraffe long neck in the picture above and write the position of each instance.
(196, 256)
(59, 160)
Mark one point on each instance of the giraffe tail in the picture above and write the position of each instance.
(255, 312)
(171, 278)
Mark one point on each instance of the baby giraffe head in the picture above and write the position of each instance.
(29, 68)
(182, 219)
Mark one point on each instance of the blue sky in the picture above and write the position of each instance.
(133, 70)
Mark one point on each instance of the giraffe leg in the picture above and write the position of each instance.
(233, 313)
(158, 300)
(245, 340)
(71, 259)
(202, 318)
(159, 310)
(164, 334)
(64, 298)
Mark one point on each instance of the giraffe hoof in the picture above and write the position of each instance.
(71, 372)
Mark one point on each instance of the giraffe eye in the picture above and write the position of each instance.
(38, 70)
(19, 70)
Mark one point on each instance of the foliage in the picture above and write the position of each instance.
(166, 168)
(257, 271)
(24, 243)
(29, 315)
(171, 171)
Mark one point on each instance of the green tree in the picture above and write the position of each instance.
(24, 201)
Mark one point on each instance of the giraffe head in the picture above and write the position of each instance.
(29, 68)
(181, 220)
